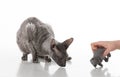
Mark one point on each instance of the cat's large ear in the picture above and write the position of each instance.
(68, 42)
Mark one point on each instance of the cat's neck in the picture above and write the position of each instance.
(47, 45)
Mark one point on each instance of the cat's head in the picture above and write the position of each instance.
(59, 51)
(96, 61)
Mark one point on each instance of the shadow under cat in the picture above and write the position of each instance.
(29, 69)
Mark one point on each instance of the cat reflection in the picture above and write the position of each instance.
(100, 73)
(61, 72)
(29, 69)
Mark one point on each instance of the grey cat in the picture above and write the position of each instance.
(37, 38)
(98, 57)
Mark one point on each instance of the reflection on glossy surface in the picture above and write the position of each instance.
(61, 72)
(99, 72)
(29, 69)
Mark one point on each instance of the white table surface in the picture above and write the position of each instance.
(84, 20)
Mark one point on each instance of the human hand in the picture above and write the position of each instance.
(109, 45)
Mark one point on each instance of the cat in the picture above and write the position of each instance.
(98, 57)
(38, 38)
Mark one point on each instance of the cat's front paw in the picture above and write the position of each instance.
(68, 58)
(47, 59)
(106, 59)
(35, 61)
(109, 55)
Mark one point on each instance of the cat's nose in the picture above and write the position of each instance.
(63, 65)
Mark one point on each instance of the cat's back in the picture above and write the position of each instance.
(35, 25)
(32, 29)
(41, 28)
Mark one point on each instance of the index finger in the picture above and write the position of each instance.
(94, 47)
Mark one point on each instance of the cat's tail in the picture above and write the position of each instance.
(34, 20)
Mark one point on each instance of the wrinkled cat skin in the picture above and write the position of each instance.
(37, 38)
(98, 57)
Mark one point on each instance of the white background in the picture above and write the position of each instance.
(84, 20)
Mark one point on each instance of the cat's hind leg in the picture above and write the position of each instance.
(35, 57)
(34, 53)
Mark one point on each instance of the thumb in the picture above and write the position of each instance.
(106, 52)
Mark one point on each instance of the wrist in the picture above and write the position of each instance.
(116, 44)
